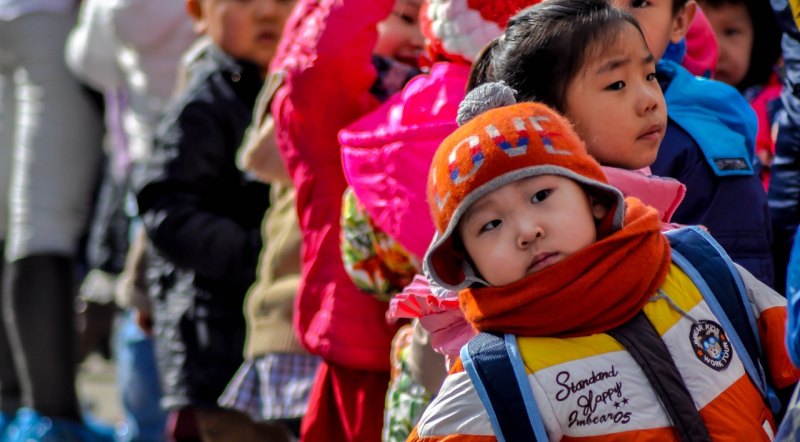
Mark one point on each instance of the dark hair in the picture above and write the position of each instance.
(677, 5)
(546, 45)
(766, 40)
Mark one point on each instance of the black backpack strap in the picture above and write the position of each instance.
(495, 367)
(645, 345)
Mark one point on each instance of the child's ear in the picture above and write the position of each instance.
(195, 10)
(681, 21)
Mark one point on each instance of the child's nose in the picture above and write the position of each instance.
(529, 231)
(649, 100)
(417, 40)
(266, 8)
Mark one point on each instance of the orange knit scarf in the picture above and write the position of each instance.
(592, 291)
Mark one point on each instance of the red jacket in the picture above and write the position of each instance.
(326, 56)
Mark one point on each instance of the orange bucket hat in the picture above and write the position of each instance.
(500, 146)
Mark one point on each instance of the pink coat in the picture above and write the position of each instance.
(386, 154)
(326, 56)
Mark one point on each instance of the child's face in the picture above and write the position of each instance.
(245, 29)
(616, 103)
(528, 225)
(659, 25)
(399, 36)
(734, 31)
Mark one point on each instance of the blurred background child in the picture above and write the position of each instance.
(203, 215)
(348, 57)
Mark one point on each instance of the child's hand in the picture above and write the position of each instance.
(144, 321)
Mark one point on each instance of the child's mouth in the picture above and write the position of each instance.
(653, 133)
(266, 37)
(541, 261)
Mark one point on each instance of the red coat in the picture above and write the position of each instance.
(328, 76)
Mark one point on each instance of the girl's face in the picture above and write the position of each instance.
(734, 31)
(616, 103)
(528, 225)
(399, 36)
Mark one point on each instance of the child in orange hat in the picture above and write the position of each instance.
(582, 283)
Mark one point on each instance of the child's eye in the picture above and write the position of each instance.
(541, 195)
(616, 86)
(491, 225)
(731, 32)
(636, 4)
(407, 19)
(651, 76)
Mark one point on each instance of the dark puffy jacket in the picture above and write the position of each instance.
(203, 217)
(784, 188)
(708, 147)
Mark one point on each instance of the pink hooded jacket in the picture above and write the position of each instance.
(387, 153)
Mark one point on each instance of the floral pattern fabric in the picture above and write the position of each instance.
(406, 399)
(375, 262)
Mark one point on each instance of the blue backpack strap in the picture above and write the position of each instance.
(495, 367)
(713, 273)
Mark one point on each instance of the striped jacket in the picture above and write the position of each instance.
(590, 389)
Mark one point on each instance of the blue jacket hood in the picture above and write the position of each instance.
(715, 115)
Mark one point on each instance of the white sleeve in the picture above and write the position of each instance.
(761, 296)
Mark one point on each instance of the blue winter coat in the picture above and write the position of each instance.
(709, 146)
(790, 427)
(793, 300)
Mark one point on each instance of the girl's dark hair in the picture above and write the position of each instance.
(766, 40)
(546, 45)
(677, 5)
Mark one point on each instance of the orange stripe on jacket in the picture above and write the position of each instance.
(729, 417)
(772, 330)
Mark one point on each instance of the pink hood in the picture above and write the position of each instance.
(387, 153)
(663, 193)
